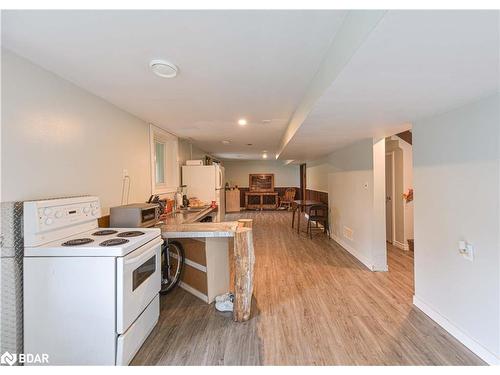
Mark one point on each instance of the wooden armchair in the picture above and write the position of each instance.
(288, 198)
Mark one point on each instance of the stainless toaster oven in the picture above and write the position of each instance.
(136, 215)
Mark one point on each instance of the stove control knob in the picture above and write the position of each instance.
(94, 212)
(59, 214)
(47, 211)
(48, 221)
(86, 210)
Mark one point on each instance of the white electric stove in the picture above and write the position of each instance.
(91, 295)
(98, 242)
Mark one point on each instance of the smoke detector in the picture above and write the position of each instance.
(163, 68)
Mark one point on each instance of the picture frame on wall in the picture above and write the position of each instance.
(263, 182)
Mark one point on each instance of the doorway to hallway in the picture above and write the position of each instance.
(399, 190)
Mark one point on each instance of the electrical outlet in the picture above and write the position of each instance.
(348, 233)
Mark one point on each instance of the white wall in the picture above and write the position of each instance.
(237, 172)
(188, 151)
(60, 140)
(378, 245)
(457, 186)
(356, 195)
(317, 174)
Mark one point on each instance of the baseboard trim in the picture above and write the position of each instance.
(456, 332)
(354, 252)
(193, 291)
(383, 269)
(401, 245)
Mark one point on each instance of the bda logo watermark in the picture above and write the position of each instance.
(11, 358)
(8, 359)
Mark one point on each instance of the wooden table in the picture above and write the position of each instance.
(261, 205)
(298, 205)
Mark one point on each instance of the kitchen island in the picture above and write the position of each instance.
(207, 245)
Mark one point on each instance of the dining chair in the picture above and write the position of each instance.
(288, 197)
(319, 215)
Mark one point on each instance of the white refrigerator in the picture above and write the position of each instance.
(206, 182)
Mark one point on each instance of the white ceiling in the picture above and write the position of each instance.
(260, 65)
(252, 64)
(413, 64)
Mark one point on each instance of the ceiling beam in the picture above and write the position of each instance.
(357, 25)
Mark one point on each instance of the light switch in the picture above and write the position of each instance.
(461, 246)
(466, 250)
(469, 252)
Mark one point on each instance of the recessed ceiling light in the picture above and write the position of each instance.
(242, 122)
(264, 156)
(226, 142)
(163, 68)
(264, 151)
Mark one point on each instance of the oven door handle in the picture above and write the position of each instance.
(146, 252)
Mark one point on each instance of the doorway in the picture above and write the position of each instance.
(399, 205)
(399, 190)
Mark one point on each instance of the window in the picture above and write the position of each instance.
(164, 163)
(159, 162)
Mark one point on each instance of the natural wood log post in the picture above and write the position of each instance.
(244, 259)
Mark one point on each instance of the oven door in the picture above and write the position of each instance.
(138, 282)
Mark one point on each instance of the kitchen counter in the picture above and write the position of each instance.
(209, 244)
(187, 216)
(185, 224)
(199, 230)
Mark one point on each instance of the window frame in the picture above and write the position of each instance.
(171, 160)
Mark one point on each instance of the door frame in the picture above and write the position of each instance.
(393, 206)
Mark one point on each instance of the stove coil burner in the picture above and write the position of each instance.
(114, 242)
(130, 233)
(105, 232)
(77, 241)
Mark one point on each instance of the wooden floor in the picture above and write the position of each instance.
(314, 304)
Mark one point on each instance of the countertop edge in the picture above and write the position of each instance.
(191, 230)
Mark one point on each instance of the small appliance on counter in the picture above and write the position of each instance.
(135, 215)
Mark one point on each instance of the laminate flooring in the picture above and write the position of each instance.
(314, 304)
